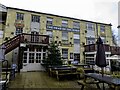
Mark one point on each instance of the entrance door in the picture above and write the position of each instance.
(32, 60)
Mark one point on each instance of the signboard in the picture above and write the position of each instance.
(19, 23)
(62, 28)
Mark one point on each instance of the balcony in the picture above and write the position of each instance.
(113, 49)
(25, 38)
(38, 39)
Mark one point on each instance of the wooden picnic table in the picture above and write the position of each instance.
(63, 71)
(105, 79)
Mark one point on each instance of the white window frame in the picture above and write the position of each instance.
(90, 40)
(64, 23)
(65, 53)
(90, 26)
(103, 39)
(76, 25)
(19, 16)
(49, 21)
(102, 28)
(35, 18)
(64, 35)
(50, 33)
(18, 31)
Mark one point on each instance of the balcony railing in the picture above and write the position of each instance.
(32, 38)
(108, 48)
(115, 50)
(25, 38)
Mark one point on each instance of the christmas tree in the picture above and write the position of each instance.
(54, 55)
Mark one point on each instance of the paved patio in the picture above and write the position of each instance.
(41, 80)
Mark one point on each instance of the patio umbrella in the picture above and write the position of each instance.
(100, 56)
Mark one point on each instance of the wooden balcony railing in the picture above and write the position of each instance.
(25, 38)
(115, 50)
(93, 47)
(31, 38)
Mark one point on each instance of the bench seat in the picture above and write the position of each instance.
(87, 83)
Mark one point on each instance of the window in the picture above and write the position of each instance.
(25, 58)
(1, 34)
(20, 16)
(50, 34)
(90, 26)
(35, 18)
(38, 57)
(76, 36)
(103, 39)
(34, 36)
(31, 57)
(64, 35)
(19, 31)
(76, 39)
(102, 29)
(90, 40)
(49, 21)
(65, 53)
(76, 25)
(64, 23)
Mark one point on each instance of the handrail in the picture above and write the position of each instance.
(25, 38)
(108, 48)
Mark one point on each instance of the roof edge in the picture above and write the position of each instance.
(58, 16)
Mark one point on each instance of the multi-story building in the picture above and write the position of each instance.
(26, 32)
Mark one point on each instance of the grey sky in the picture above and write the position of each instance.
(105, 11)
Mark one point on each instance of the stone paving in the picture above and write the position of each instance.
(41, 80)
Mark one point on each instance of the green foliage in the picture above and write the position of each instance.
(54, 55)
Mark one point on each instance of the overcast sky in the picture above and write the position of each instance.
(104, 11)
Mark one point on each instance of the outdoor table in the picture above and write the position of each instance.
(105, 79)
(64, 70)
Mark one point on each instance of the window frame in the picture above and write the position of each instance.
(65, 53)
(49, 21)
(20, 31)
(90, 26)
(19, 16)
(76, 25)
(65, 35)
(35, 18)
(90, 40)
(102, 28)
(64, 23)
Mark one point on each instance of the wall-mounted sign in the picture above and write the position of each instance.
(19, 23)
(62, 28)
